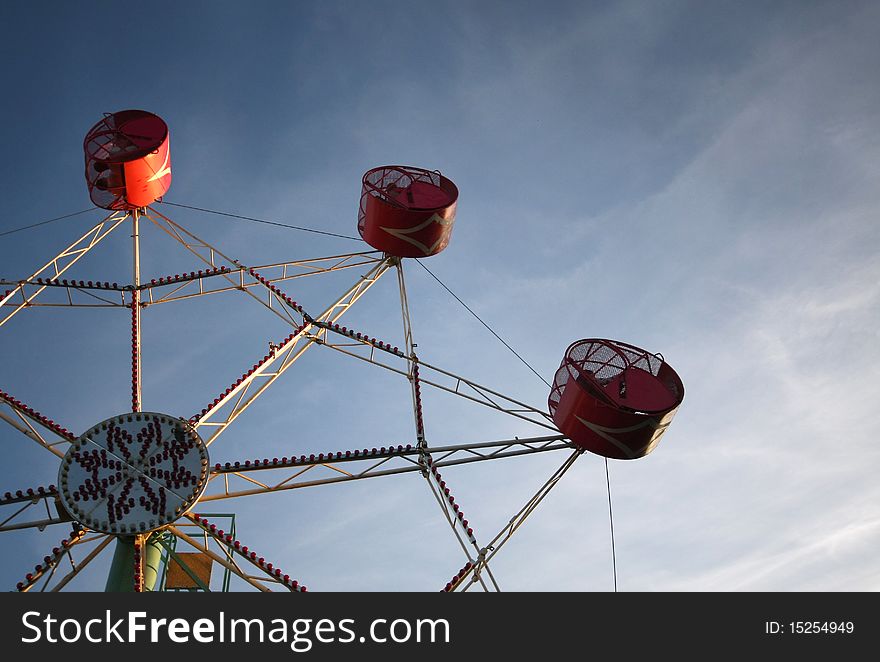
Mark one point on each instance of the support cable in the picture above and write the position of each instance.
(46, 222)
(261, 220)
(480, 320)
(611, 521)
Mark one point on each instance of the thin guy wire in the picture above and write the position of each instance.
(51, 220)
(480, 320)
(611, 520)
(262, 220)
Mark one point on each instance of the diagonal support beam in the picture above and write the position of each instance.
(78, 567)
(28, 499)
(457, 521)
(187, 286)
(488, 552)
(209, 255)
(50, 562)
(20, 297)
(316, 470)
(233, 546)
(450, 509)
(25, 419)
(74, 294)
(447, 381)
(253, 384)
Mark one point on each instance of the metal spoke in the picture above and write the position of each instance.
(23, 294)
(26, 428)
(208, 254)
(136, 395)
(487, 553)
(49, 563)
(273, 365)
(30, 498)
(183, 287)
(39, 524)
(30, 495)
(305, 472)
(82, 564)
(232, 546)
(482, 395)
(86, 294)
(26, 414)
(451, 510)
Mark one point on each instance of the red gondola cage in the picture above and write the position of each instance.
(128, 162)
(614, 399)
(407, 211)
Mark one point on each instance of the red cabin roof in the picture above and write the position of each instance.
(614, 399)
(407, 211)
(128, 161)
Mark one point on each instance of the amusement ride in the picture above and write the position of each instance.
(144, 481)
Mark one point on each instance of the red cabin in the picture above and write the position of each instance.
(614, 399)
(128, 163)
(407, 211)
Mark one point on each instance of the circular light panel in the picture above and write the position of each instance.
(133, 473)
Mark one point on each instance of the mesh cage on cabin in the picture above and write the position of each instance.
(384, 182)
(603, 360)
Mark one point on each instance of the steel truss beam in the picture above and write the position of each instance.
(172, 555)
(25, 500)
(25, 292)
(26, 419)
(76, 568)
(50, 563)
(451, 511)
(39, 524)
(333, 467)
(81, 294)
(12, 523)
(136, 373)
(208, 254)
(488, 552)
(231, 547)
(188, 287)
(74, 295)
(277, 362)
(455, 384)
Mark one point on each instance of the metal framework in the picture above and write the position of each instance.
(40, 507)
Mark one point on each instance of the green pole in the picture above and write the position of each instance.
(121, 577)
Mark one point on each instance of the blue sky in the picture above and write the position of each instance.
(699, 179)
